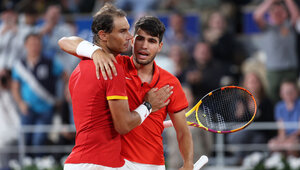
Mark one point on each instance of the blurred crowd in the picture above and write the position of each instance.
(34, 71)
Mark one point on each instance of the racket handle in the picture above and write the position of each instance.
(168, 124)
(201, 162)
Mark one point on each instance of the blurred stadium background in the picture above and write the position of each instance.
(207, 44)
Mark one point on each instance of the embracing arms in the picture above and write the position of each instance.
(125, 120)
(103, 64)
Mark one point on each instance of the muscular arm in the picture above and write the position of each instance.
(260, 12)
(69, 44)
(123, 119)
(102, 60)
(184, 138)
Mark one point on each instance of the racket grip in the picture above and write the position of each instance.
(201, 162)
(168, 124)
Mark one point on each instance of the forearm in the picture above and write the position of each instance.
(185, 143)
(124, 119)
(69, 44)
(129, 122)
(16, 93)
(261, 10)
(293, 10)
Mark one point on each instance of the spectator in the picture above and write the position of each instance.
(254, 84)
(205, 73)
(176, 33)
(279, 42)
(27, 24)
(9, 120)
(180, 59)
(34, 80)
(221, 40)
(287, 111)
(8, 31)
(52, 31)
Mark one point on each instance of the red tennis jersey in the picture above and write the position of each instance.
(97, 141)
(144, 144)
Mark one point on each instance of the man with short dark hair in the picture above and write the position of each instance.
(100, 108)
(142, 147)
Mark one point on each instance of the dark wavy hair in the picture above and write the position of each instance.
(151, 25)
(104, 20)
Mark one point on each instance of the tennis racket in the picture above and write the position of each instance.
(201, 162)
(224, 110)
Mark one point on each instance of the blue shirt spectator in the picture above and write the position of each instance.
(39, 72)
(288, 116)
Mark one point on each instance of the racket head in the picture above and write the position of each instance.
(224, 110)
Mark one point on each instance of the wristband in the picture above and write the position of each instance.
(86, 49)
(143, 112)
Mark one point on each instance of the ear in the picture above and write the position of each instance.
(102, 35)
(160, 45)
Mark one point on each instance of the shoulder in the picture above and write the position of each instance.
(87, 64)
(122, 59)
(167, 76)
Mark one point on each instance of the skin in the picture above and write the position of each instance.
(114, 43)
(145, 48)
(119, 39)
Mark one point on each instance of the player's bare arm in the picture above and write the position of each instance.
(69, 44)
(184, 139)
(124, 120)
(103, 61)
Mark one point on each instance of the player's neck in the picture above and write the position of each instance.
(145, 72)
(33, 59)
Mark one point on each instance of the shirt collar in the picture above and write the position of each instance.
(156, 74)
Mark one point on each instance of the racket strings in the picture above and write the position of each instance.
(225, 110)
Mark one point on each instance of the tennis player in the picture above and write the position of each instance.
(142, 147)
(100, 108)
